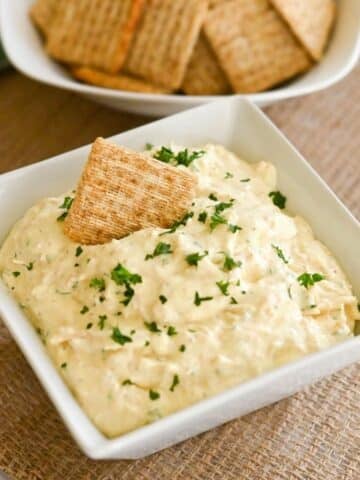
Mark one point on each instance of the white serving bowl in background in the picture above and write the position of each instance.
(244, 129)
(25, 50)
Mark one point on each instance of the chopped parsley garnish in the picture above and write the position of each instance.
(194, 258)
(278, 199)
(228, 175)
(230, 263)
(118, 337)
(160, 249)
(184, 157)
(30, 266)
(244, 180)
(147, 343)
(178, 223)
(66, 206)
(98, 283)
(88, 326)
(234, 228)
(101, 322)
(149, 146)
(213, 197)
(280, 253)
(202, 217)
(78, 251)
(101, 299)
(163, 299)
(221, 206)
(223, 287)
(357, 328)
(16, 274)
(198, 300)
(84, 310)
(122, 276)
(154, 395)
(182, 348)
(175, 382)
(127, 382)
(216, 220)
(152, 326)
(309, 279)
(233, 301)
(171, 331)
(63, 365)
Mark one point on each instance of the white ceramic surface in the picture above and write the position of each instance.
(243, 128)
(25, 50)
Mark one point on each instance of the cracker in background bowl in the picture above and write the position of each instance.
(122, 191)
(94, 33)
(165, 40)
(42, 13)
(255, 47)
(310, 20)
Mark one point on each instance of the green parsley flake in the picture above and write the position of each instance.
(309, 279)
(184, 157)
(149, 146)
(163, 299)
(182, 348)
(101, 322)
(194, 258)
(127, 382)
(175, 382)
(88, 326)
(233, 301)
(129, 292)
(223, 287)
(198, 300)
(171, 331)
(280, 253)
(230, 263)
(244, 180)
(118, 337)
(122, 276)
(98, 283)
(178, 223)
(213, 197)
(220, 207)
(152, 327)
(84, 310)
(65, 205)
(228, 175)
(16, 274)
(164, 155)
(154, 395)
(202, 217)
(278, 199)
(78, 251)
(216, 220)
(160, 249)
(234, 228)
(30, 266)
(63, 365)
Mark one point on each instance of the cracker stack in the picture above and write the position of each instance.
(121, 191)
(155, 46)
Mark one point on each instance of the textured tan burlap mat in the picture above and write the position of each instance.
(314, 435)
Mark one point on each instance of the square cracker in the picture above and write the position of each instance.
(254, 46)
(310, 20)
(121, 191)
(94, 33)
(165, 40)
(204, 76)
(42, 13)
(115, 81)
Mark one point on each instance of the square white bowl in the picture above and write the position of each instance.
(244, 129)
(26, 51)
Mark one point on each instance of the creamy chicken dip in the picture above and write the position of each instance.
(146, 325)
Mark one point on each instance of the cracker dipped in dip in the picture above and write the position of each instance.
(146, 325)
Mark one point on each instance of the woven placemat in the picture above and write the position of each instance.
(314, 435)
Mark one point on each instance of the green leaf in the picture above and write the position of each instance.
(223, 287)
(175, 382)
(160, 249)
(280, 253)
(194, 258)
(118, 337)
(98, 283)
(121, 276)
(278, 199)
(309, 279)
(198, 300)
(154, 395)
(152, 327)
(230, 263)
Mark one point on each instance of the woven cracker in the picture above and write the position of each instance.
(204, 76)
(165, 40)
(310, 20)
(254, 46)
(117, 82)
(95, 33)
(122, 191)
(42, 13)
